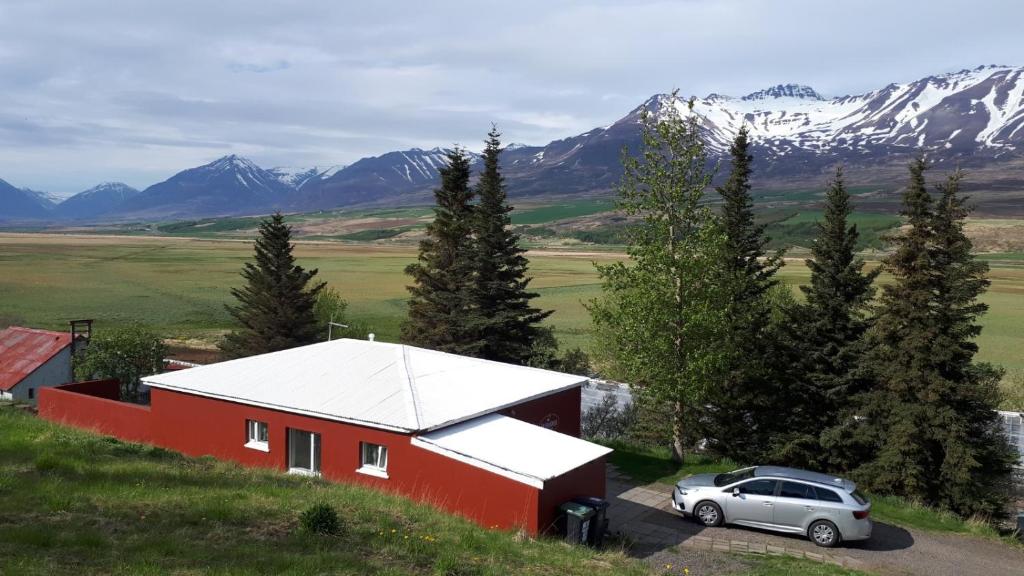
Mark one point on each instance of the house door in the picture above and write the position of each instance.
(303, 452)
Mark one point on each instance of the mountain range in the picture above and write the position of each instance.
(972, 118)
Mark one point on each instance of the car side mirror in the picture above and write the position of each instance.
(735, 491)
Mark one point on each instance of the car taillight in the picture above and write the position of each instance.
(861, 514)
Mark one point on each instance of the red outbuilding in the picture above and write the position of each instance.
(33, 359)
(493, 442)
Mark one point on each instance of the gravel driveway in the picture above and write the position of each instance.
(643, 515)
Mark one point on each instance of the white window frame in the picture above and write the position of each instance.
(373, 459)
(252, 435)
(314, 444)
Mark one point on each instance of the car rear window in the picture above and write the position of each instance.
(859, 497)
(827, 495)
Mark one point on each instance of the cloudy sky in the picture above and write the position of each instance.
(135, 90)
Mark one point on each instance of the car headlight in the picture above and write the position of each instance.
(681, 491)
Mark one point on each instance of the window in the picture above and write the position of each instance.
(374, 460)
(828, 495)
(758, 487)
(31, 393)
(257, 435)
(733, 477)
(303, 452)
(797, 490)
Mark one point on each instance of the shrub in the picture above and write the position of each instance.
(321, 519)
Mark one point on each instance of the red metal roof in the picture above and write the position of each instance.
(22, 350)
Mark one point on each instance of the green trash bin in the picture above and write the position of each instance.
(577, 522)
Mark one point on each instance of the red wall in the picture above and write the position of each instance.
(561, 409)
(197, 426)
(94, 405)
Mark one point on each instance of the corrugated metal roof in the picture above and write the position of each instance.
(23, 350)
(513, 448)
(377, 384)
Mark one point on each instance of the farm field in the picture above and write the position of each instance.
(180, 285)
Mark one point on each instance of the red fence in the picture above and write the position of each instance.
(95, 405)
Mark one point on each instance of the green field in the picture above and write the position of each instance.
(180, 286)
(553, 212)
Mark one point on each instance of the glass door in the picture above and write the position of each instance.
(303, 452)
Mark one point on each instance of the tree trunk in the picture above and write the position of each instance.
(678, 447)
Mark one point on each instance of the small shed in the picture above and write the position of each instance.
(31, 359)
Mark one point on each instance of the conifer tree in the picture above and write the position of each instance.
(442, 314)
(275, 307)
(828, 330)
(507, 324)
(747, 398)
(928, 427)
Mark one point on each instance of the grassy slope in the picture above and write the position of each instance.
(89, 504)
(655, 465)
(79, 503)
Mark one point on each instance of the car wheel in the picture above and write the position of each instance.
(824, 534)
(708, 513)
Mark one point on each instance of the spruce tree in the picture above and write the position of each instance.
(746, 239)
(275, 307)
(928, 426)
(748, 397)
(507, 325)
(828, 330)
(442, 314)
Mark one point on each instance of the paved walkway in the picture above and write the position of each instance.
(643, 516)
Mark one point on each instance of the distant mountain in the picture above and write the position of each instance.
(297, 178)
(96, 201)
(380, 177)
(972, 118)
(18, 204)
(227, 186)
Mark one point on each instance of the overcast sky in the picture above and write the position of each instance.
(137, 90)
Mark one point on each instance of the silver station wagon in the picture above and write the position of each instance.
(828, 510)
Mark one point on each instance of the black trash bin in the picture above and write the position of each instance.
(599, 526)
(578, 518)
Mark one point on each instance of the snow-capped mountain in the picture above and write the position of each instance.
(296, 177)
(971, 117)
(226, 186)
(379, 177)
(96, 201)
(23, 204)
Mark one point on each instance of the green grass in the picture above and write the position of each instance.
(179, 286)
(798, 228)
(375, 234)
(77, 503)
(553, 212)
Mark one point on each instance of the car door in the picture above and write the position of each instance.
(796, 504)
(752, 502)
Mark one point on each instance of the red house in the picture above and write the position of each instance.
(494, 442)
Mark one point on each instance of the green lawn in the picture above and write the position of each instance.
(77, 503)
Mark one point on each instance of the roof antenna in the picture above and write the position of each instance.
(331, 325)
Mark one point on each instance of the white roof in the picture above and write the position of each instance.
(513, 448)
(376, 384)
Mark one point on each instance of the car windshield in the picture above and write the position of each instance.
(732, 477)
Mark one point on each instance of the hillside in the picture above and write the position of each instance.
(77, 503)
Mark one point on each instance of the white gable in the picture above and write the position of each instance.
(378, 384)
